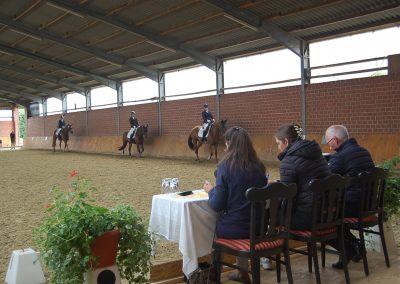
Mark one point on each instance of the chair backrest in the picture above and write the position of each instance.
(373, 184)
(328, 201)
(271, 208)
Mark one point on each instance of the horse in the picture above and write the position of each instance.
(215, 134)
(141, 133)
(64, 136)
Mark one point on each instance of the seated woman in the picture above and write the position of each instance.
(301, 161)
(239, 170)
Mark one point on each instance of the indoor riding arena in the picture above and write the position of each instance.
(112, 43)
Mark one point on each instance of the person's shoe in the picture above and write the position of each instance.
(349, 256)
(266, 263)
(239, 276)
(357, 257)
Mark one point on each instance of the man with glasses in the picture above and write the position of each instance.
(350, 159)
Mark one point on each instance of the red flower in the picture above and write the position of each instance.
(73, 173)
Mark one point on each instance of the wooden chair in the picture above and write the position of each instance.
(268, 231)
(371, 211)
(327, 219)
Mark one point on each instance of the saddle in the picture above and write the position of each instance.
(201, 131)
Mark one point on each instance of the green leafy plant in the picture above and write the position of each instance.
(71, 224)
(392, 192)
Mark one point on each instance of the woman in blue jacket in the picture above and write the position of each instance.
(239, 170)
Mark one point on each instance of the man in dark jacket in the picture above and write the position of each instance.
(350, 159)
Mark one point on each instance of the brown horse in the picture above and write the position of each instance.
(216, 132)
(141, 133)
(64, 136)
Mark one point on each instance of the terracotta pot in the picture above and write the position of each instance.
(105, 247)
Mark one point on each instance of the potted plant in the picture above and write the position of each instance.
(71, 225)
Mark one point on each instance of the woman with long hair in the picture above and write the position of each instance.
(239, 170)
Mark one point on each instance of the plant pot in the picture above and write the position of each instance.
(105, 247)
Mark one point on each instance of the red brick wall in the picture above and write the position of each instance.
(365, 106)
(368, 105)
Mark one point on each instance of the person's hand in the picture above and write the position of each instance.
(207, 186)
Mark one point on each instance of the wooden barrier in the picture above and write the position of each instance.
(381, 146)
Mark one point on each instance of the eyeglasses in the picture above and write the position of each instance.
(327, 142)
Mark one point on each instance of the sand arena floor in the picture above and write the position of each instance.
(26, 176)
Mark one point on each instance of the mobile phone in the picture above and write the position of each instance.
(184, 193)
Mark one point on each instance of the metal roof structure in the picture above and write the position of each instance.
(52, 47)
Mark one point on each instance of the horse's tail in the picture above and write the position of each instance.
(54, 140)
(123, 145)
(190, 143)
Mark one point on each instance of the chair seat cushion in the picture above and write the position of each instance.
(307, 233)
(371, 218)
(244, 244)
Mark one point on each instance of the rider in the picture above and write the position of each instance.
(208, 119)
(134, 125)
(61, 125)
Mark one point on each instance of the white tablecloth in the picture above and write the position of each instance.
(188, 221)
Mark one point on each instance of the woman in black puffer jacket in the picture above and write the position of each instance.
(301, 162)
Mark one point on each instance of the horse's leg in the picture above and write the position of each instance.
(216, 153)
(130, 147)
(139, 154)
(211, 152)
(196, 149)
(60, 144)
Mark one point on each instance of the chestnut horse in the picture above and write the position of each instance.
(215, 135)
(141, 133)
(64, 136)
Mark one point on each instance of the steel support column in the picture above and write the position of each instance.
(88, 107)
(44, 106)
(219, 72)
(305, 80)
(161, 98)
(120, 100)
(64, 107)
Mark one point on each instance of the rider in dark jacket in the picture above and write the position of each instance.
(208, 119)
(134, 125)
(301, 162)
(60, 125)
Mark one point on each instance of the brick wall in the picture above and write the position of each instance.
(365, 106)
(368, 105)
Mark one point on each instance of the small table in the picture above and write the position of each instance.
(187, 220)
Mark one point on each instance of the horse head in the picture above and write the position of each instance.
(145, 130)
(223, 127)
(68, 128)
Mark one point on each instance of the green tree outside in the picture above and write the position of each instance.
(22, 123)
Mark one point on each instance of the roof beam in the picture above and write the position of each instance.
(251, 20)
(63, 66)
(47, 91)
(11, 90)
(113, 59)
(62, 83)
(6, 97)
(157, 39)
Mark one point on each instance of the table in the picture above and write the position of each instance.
(187, 220)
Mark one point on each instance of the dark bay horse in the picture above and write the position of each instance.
(215, 135)
(141, 133)
(64, 136)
